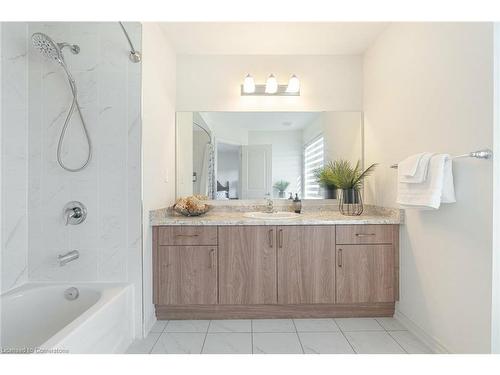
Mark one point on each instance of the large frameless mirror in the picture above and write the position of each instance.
(254, 155)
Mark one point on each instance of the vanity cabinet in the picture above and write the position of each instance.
(188, 275)
(270, 271)
(367, 263)
(306, 264)
(185, 268)
(365, 273)
(247, 263)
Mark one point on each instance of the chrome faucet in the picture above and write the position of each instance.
(269, 206)
(68, 257)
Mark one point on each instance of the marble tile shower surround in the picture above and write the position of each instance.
(14, 155)
(109, 88)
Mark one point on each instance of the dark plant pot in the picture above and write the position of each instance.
(281, 194)
(330, 192)
(350, 196)
(350, 202)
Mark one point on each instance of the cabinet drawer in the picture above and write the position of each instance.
(187, 235)
(366, 234)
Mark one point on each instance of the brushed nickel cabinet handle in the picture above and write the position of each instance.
(186, 235)
(280, 238)
(364, 234)
(340, 258)
(270, 237)
(212, 259)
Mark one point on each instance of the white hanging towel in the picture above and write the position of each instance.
(436, 189)
(413, 170)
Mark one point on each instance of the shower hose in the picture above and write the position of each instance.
(74, 105)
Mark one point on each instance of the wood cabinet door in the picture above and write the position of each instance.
(365, 273)
(247, 265)
(306, 264)
(187, 275)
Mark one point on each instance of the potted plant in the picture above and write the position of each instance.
(281, 186)
(323, 176)
(350, 181)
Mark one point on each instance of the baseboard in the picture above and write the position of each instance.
(274, 311)
(432, 342)
(149, 323)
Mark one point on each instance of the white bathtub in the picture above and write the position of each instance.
(38, 318)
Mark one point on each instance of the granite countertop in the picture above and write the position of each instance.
(372, 215)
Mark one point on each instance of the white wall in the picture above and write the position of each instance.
(158, 136)
(14, 155)
(342, 133)
(495, 323)
(286, 156)
(428, 87)
(184, 157)
(231, 135)
(313, 129)
(212, 82)
(343, 136)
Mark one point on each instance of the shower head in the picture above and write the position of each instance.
(50, 49)
(47, 47)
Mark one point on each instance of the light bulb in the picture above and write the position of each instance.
(293, 84)
(248, 85)
(271, 85)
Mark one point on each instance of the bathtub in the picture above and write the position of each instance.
(39, 318)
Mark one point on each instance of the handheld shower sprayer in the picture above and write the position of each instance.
(53, 51)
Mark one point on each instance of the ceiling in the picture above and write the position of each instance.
(267, 121)
(272, 38)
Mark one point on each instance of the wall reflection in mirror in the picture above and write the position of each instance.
(254, 155)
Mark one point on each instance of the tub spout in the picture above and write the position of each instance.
(68, 257)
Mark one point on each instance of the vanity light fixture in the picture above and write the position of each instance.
(248, 85)
(271, 85)
(293, 84)
(271, 88)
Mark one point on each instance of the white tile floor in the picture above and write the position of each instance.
(290, 336)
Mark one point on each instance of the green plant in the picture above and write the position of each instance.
(324, 176)
(281, 185)
(344, 176)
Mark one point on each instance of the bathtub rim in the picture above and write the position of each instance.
(108, 293)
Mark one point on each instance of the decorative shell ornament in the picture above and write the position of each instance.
(192, 205)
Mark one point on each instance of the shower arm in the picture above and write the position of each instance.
(134, 56)
(74, 48)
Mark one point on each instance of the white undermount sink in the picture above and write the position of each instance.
(271, 216)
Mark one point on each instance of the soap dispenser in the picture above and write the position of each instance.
(291, 197)
(297, 204)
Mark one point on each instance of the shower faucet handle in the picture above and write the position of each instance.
(75, 213)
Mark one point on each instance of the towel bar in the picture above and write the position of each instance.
(479, 154)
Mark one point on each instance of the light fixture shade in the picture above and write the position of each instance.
(293, 84)
(271, 85)
(248, 85)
